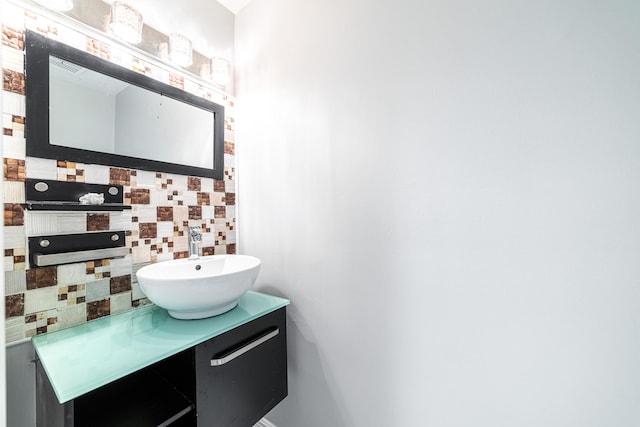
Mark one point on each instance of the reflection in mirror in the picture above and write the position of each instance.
(86, 109)
(112, 116)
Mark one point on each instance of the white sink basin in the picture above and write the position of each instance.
(199, 288)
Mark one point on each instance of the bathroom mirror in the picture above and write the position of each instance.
(85, 109)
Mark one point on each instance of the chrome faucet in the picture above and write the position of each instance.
(195, 238)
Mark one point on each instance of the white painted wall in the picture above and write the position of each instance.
(448, 193)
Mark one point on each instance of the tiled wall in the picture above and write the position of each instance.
(46, 299)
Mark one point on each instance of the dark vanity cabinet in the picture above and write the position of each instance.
(232, 379)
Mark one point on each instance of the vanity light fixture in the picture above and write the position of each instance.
(220, 71)
(126, 22)
(61, 5)
(180, 51)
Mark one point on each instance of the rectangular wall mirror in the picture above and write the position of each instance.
(85, 109)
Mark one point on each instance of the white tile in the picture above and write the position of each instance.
(146, 179)
(119, 221)
(40, 299)
(190, 198)
(13, 103)
(179, 182)
(208, 212)
(15, 282)
(146, 213)
(206, 185)
(97, 290)
(39, 223)
(14, 237)
(165, 229)
(12, 59)
(41, 168)
(120, 302)
(136, 292)
(165, 256)
(12, 15)
(180, 214)
(158, 197)
(8, 263)
(13, 147)
(121, 266)
(72, 37)
(14, 192)
(72, 223)
(220, 250)
(180, 244)
(208, 239)
(96, 174)
(72, 274)
(229, 135)
(230, 186)
(230, 160)
(141, 254)
(230, 212)
(231, 237)
(216, 199)
(54, 222)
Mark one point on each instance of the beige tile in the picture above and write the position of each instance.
(120, 302)
(72, 315)
(97, 290)
(72, 274)
(15, 282)
(14, 329)
(40, 299)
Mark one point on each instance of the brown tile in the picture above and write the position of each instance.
(42, 277)
(176, 80)
(98, 309)
(229, 147)
(13, 81)
(208, 250)
(165, 213)
(13, 214)
(180, 255)
(231, 248)
(218, 185)
(14, 305)
(194, 184)
(204, 199)
(195, 212)
(140, 196)
(118, 176)
(220, 212)
(119, 284)
(97, 221)
(148, 230)
(13, 37)
(229, 199)
(14, 170)
(98, 48)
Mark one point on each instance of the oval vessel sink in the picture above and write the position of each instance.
(199, 288)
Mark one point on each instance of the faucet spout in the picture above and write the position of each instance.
(195, 239)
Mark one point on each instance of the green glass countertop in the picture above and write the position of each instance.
(83, 358)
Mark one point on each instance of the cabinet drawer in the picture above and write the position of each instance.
(242, 374)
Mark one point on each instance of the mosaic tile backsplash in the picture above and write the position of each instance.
(45, 299)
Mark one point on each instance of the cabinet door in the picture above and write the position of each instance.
(249, 376)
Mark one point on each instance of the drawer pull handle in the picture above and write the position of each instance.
(242, 350)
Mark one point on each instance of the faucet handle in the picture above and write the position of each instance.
(195, 232)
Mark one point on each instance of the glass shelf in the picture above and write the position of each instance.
(83, 358)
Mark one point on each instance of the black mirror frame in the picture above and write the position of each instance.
(38, 49)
